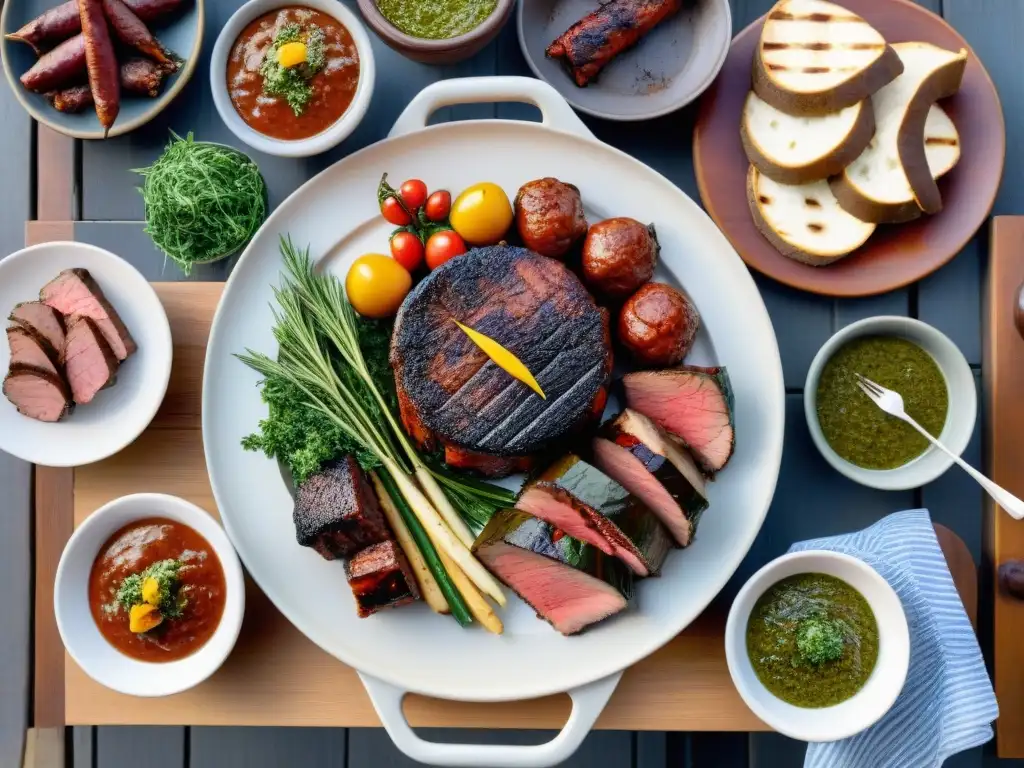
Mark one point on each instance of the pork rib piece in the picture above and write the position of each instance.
(74, 293)
(380, 577)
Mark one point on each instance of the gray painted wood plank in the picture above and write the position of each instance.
(137, 746)
(650, 750)
(267, 747)
(772, 750)
(83, 745)
(950, 299)
(372, 748)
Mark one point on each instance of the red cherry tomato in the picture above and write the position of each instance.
(407, 250)
(438, 205)
(414, 193)
(392, 210)
(442, 246)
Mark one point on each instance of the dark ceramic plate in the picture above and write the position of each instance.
(895, 255)
(183, 35)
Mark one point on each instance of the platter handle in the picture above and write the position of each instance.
(588, 701)
(555, 111)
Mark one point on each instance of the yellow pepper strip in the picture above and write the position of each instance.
(291, 54)
(502, 358)
(151, 591)
(143, 617)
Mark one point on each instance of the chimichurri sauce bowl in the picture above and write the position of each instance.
(841, 629)
(860, 440)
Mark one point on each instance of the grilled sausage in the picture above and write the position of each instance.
(657, 325)
(101, 63)
(141, 77)
(132, 32)
(549, 216)
(64, 21)
(619, 256)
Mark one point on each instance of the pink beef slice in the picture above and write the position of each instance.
(74, 293)
(37, 394)
(89, 363)
(41, 321)
(29, 352)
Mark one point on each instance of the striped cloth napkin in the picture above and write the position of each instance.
(947, 704)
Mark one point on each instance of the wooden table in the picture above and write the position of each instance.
(85, 191)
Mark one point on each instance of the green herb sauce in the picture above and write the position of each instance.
(813, 640)
(293, 82)
(860, 431)
(436, 19)
(172, 601)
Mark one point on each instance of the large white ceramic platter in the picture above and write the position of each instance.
(412, 649)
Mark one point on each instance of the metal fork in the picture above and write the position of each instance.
(892, 403)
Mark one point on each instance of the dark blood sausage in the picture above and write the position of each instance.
(100, 62)
(62, 67)
(141, 77)
(131, 31)
(593, 41)
(64, 21)
(658, 325)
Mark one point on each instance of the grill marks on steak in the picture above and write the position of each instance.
(452, 395)
(37, 393)
(89, 363)
(28, 351)
(336, 511)
(74, 293)
(380, 577)
(569, 583)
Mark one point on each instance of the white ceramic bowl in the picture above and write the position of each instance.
(91, 651)
(322, 141)
(871, 702)
(118, 414)
(960, 418)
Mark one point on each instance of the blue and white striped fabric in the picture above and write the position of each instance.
(947, 704)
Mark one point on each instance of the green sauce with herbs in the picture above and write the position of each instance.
(812, 640)
(860, 431)
(436, 19)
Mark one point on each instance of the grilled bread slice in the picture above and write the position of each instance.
(796, 150)
(816, 57)
(891, 180)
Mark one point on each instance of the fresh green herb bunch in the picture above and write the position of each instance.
(819, 640)
(293, 82)
(172, 602)
(203, 201)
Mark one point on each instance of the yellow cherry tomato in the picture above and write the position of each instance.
(376, 285)
(482, 214)
(291, 54)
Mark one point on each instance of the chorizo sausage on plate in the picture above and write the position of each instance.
(549, 216)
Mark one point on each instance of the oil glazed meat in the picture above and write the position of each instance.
(452, 396)
(619, 255)
(549, 216)
(658, 325)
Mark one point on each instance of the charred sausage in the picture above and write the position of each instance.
(133, 33)
(64, 21)
(657, 325)
(619, 256)
(138, 76)
(549, 216)
(101, 63)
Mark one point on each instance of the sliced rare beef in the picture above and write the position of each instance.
(27, 350)
(640, 456)
(380, 577)
(89, 363)
(42, 321)
(336, 512)
(588, 505)
(569, 583)
(74, 293)
(452, 396)
(38, 394)
(693, 404)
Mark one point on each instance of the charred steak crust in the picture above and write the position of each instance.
(452, 395)
(380, 577)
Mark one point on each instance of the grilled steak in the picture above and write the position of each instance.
(453, 396)
(694, 404)
(38, 394)
(638, 454)
(588, 505)
(380, 577)
(336, 512)
(74, 293)
(42, 321)
(569, 583)
(27, 350)
(89, 363)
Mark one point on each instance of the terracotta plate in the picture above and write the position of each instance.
(894, 255)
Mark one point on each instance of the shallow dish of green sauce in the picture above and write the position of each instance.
(436, 19)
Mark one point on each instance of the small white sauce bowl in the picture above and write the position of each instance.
(82, 638)
(332, 135)
(883, 686)
(960, 417)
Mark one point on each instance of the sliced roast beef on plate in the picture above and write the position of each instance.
(336, 511)
(74, 293)
(380, 577)
(37, 394)
(569, 583)
(89, 364)
(692, 403)
(42, 321)
(584, 502)
(643, 458)
(27, 350)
